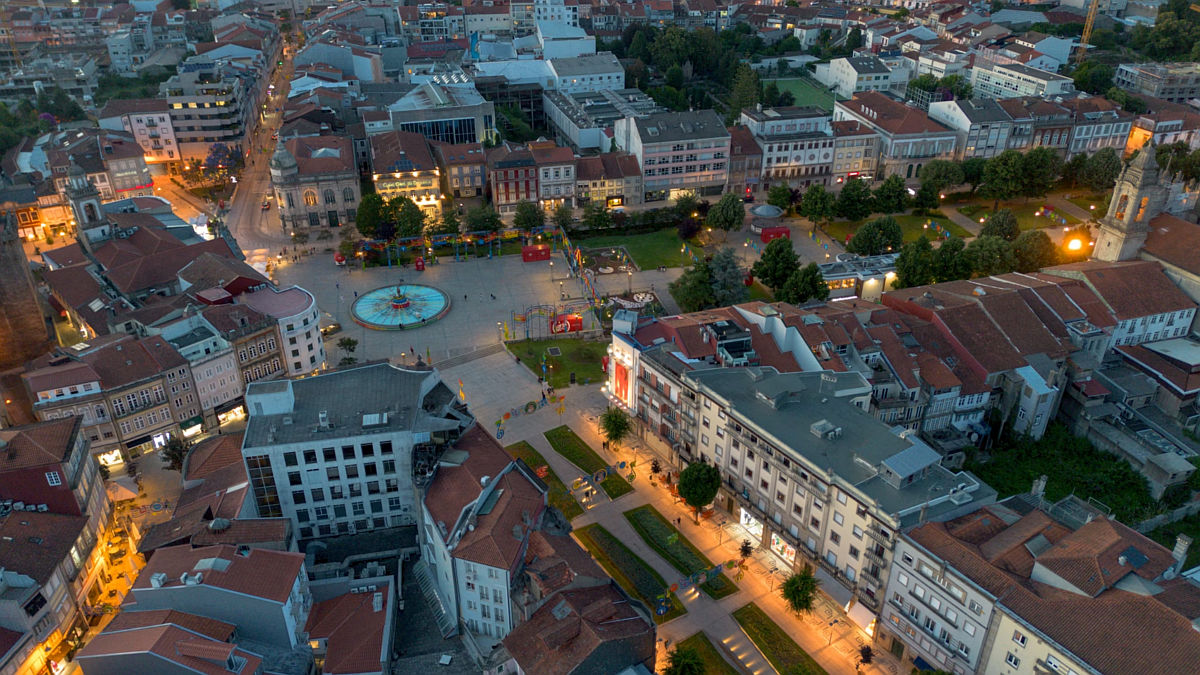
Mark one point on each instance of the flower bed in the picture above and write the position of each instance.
(675, 548)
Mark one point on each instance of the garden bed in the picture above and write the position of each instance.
(912, 226)
(631, 572)
(774, 642)
(661, 248)
(568, 444)
(714, 664)
(675, 548)
(559, 496)
(581, 357)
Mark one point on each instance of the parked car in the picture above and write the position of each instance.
(331, 329)
(266, 205)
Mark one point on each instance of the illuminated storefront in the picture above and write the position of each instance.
(192, 426)
(110, 458)
(783, 549)
(753, 525)
(233, 414)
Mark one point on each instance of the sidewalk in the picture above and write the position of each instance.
(1060, 203)
(494, 382)
(969, 224)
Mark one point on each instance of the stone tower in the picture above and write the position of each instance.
(22, 327)
(91, 225)
(1137, 198)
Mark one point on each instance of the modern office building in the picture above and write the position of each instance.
(584, 120)
(797, 144)
(445, 113)
(1173, 82)
(342, 452)
(678, 151)
(206, 107)
(1010, 80)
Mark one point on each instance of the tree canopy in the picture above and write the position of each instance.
(1002, 224)
(854, 202)
(914, 266)
(778, 262)
(804, 284)
(727, 214)
(528, 216)
(698, 485)
(876, 237)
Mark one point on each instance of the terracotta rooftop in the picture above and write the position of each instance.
(1132, 289)
(261, 573)
(41, 444)
(317, 155)
(554, 561)
(211, 454)
(353, 631)
(1177, 377)
(114, 361)
(1175, 242)
(499, 535)
(247, 532)
(399, 151)
(172, 643)
(35, 544)
(127, 620)
(150, 257)
(456, 486)
(209, 270)
(66, 256)
(890, 115)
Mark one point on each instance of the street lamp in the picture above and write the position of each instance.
(629, 275)
(831, 625)
(561, 294)
(551, 270)
(500, 331)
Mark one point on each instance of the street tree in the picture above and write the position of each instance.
(675, 77)
(989, 255)
(175, 452)
(876, 237)
(949, 264)
(1040, 169)
(219, 157)
(410, 219)
(687, 204)
(728, 213)
(596, 217)
(745, 549)
(914, 266)
(803, 285)
(928, 198)
(799, 591)
(973, 169)
(941, 174)
(372, 211)
(778, 262)
(891, 196)
(780, 195)
(745, 91)
(817, 204)
(616, 425)
(728, 280)
(1074, 171)
(1002, 224)
(698, 485)
(483, 218)
(1003, 176)
(447, 224)
(958, 85)
(1034, 250)
(684, 661)
(854, 202)
(528, 216)
(563, 217)
(1102, 170)
(693, 290)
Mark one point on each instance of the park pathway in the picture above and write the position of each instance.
(1060, 203)
(969, 224)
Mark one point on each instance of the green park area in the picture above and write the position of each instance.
(912, 226)
(714, 664)
(581, 357)
(675, 548)
(559, 496)
(1025, 212)
(1097, 204)
(661, 248)
(566, 443)
(774, 642)
(631, 572)
(806, 91)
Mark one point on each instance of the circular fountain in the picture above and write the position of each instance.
(400, 307)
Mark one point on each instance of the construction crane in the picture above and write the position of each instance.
(1087, 30)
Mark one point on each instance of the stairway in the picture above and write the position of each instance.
(426, 583)
(469, 356)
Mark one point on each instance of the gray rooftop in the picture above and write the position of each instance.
(1028, 71)
(812, 415)
(376, 398)
(589, 109)
(588, 64)
(866, 65)
(983, 110)
(861, 267)
(792, 112)
(681, 126)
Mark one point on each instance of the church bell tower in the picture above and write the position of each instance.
(1137, 198)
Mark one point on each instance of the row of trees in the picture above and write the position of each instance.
(1014, 174)
(855, 201)
(52, 107)
(779, 269)
(401, 217)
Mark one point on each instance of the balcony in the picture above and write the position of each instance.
(875, 558)
(874, 533)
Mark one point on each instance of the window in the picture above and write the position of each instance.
(289, 459)
(1012, 660)
(53, 479)
(835, 537)
(969, 628)
(837, 518)
(299, 497)
(854, 553)
(294, 478)
(348, 195)
(329, 454)
(858, 532)
(310, 456)
(347, 452)
(1019, 638)
(310, 198)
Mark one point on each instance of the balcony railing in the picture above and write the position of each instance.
(874, 533)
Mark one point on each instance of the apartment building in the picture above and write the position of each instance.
(556, 174)
(558, 11)
(206, 107)
(512, 176)
(463, 167)
(111, 160)
(839, 493)
(295, 312)
(254, 337)
(149, 120)
(588, 72)
(982, 125)
(1099, 124)
(855, 151)
(612, 179)
(797, 144)
(908, 138)
(1172, 82)
(131, 393)
(315, 182)
(745, 162)
(1003, 590)
(1009, 80)
(476, 519)
(678, 151)
(263, 592)
(167, 642)
(402, 166)
(340, 452)
(213, 363)
(850, 75)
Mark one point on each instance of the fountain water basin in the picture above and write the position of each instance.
(400, 307)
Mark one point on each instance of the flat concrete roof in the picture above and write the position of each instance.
(1183, 350)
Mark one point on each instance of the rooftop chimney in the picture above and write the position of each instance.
(158, 579)
(1179, 553)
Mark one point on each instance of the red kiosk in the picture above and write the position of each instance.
(770, 233)
(535, 253)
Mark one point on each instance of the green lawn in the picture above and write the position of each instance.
(1025, 215)
(649, 250)
(560, 497)
(631, 572)
(1088, 201)
(806, 91)
(779, 648)
(581, 357)
(1073, 466)
(760, 292)
(709, 654)
(566, 443)
(682, 555)
(912, 226)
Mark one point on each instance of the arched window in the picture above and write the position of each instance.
(310, 198)
(89, 211)
(348, 195)
(330, 198)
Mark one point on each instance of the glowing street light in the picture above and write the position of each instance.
(1074, 245)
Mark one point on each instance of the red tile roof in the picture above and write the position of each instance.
(211, 454)
(150, 257)
(499, 536)
(127, 620)
(317, 155)
(456, 486)
(1175, 242)
(353, 631)
(891, 115)
(1132, 289)
(42, 444)
(400, 151)
(246, 532)
(261, 573)
(1179, 378)
(35, 544)
(171, 643)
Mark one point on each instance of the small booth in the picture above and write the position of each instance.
(776, 232)
(535, 253)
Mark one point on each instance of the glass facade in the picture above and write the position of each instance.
(447, 131)
(262, 480)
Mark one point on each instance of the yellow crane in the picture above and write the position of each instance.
(1087, 30)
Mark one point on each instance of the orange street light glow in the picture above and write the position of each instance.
(1074, 245)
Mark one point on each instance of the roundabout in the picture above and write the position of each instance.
(400, 307)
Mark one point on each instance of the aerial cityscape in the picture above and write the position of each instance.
(599, 337)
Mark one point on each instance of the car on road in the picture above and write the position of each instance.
(331, 329)
(266, 205)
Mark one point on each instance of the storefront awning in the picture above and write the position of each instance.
(137, 441)
(226, 407)
(861, 615)
(832, 587)
(922, 664)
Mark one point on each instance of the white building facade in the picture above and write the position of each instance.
(295, 309)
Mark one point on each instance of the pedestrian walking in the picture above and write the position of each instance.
(356, 294)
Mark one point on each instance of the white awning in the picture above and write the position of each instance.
(861, 615)
(832, 587)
